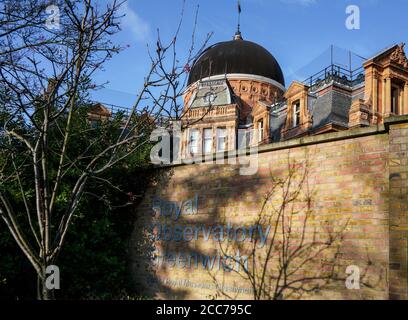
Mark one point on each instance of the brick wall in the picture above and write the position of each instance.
(398, 223)
(348, 210)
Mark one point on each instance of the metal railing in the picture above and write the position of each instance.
(337, 74)
(114, 109)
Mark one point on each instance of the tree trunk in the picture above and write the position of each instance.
(42, 292)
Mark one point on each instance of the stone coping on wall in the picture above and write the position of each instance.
(395, 120)
(299, 142)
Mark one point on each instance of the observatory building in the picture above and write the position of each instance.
(236, 97)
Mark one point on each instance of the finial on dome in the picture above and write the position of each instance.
(238, 35)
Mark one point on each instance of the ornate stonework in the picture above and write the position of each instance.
(360, 114)
(399, 57)
(386, 86)
(250, 98)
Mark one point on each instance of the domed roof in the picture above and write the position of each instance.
(236, 56)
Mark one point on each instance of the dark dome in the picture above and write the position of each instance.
(236, 56)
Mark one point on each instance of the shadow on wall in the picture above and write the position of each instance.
(307, 215)
(143, 245)
(305, 253)
(300, 256)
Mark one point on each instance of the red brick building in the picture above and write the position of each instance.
(236, 96)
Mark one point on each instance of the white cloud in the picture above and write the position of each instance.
(135, 24)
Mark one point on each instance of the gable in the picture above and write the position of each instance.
(295, 88)
(395, 54)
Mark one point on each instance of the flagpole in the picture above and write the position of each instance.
(239, 15)
(238, 33)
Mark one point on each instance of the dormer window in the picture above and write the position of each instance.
(296, 113)
(260, 130)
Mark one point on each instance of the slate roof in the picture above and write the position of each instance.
(276, 123)
(332, 107)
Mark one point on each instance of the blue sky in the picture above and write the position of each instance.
(297, 32)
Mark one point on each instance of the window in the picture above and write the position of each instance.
(209, 97)
(296, 113)
(221, 139)
(193, 143)
(394, 100)
(260, 131)
(208, 140)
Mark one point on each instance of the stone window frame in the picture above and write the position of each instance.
(400, 93)
(261, 128)
(297, 92)
(191, 130)
(210, 138)
(225, 137)
(296, 113)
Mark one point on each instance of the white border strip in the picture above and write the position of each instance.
(243, 76)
